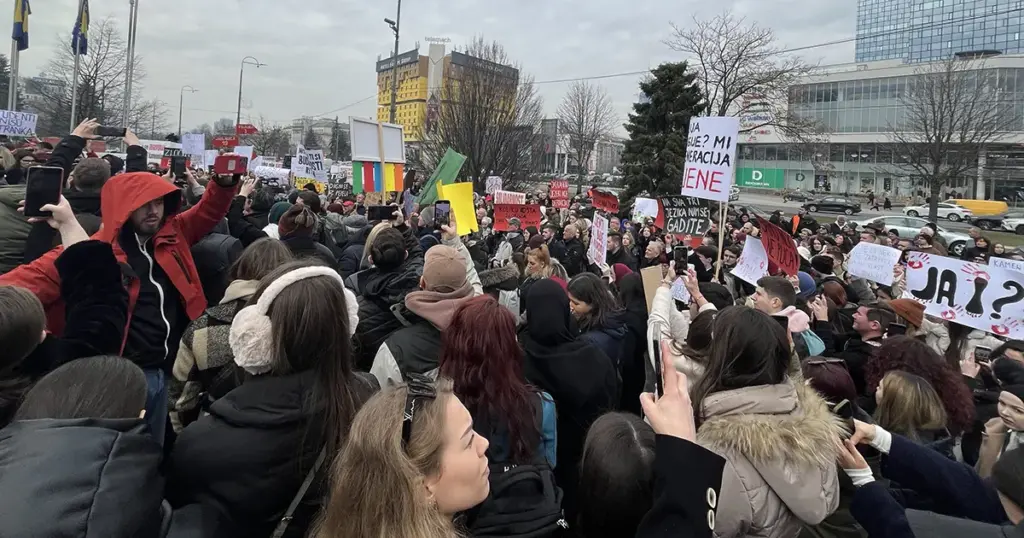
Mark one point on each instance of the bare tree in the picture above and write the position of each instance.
(488, 110)
(101, 82)
(207, 131)
(224, 126)
(585, 115)
(951, 111)
(270, 139)
(150, 119)
(743, 72)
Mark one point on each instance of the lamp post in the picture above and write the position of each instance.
(181, 102)
(241, 71)
(395, 26)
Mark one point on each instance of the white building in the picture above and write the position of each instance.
(322, 127)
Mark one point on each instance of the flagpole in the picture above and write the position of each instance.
(12, 84)
(74, 92)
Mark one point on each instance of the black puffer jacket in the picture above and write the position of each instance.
(352, 254)
(378, 291)
(86, 478)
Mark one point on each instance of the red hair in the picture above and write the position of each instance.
(480, 354)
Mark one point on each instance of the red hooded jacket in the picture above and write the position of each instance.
(121, 196)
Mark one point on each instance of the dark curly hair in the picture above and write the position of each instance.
(914, 356)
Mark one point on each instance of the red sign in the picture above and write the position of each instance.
(605, 201)
(225, 141)
(559, 190)
(246, 129)
(560, 204)
(528, 215)
(780, 247)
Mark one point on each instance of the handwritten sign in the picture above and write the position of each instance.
(1003, 263)
(644, 208)
(300, 163)
(753, 262)
(528, 215)
(984, 297)
(316, 164)
(710, 157)
(605, 201)
(559, 193)
(679, 291)
(193, 143)
(780, 247)
(598, 251)
(17, 123)
(509, 197)
(686, 215)
(873, 262)
(494, 183)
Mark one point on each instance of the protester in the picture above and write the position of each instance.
(538, 266)
(775, 296)
(598, 316)
(870, 324)
(1003, 432)
(911, 313)
(634, 364)
(574, 260)
(273, 217)
(296, 228)
(617, 254)
(908, 405)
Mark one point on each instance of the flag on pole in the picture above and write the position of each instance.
(80, 35)
(20, 33)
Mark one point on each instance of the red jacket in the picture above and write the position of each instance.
(121, 196)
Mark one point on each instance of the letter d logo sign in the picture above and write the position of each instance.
(757, 175)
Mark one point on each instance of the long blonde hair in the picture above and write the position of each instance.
(377, 486)
(909, 405)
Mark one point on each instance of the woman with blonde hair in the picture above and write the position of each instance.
(538, 266)
(388, 480)
(907, 404)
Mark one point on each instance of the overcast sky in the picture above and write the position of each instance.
(321, 53)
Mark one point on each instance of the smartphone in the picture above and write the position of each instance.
(380, 212)
(896, 329)
(782, 320)
(680, 255)
(178, 166)
(118, 132)
(442, 213)
(982, 354)
(659, 383)
(43, 185)
(230, 164)
(844, 410)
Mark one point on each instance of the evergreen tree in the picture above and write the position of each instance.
(311, 140)
(654, 158)
(341, 149)
(5, 80)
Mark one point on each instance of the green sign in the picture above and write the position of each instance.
(761, 178)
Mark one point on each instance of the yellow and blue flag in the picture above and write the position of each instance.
(80, 35)
(20, 33)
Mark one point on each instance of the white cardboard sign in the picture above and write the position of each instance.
(710, 157)
(193, 144)
(598, 251)
(1003, 263)
(753, 262)
(494, 184)
(509, 197)
(873, 262)
(644, 208)
(316, 164)
(17, 123)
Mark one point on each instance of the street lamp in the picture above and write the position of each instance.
(241, 71)
(395, 25)
(181, 101)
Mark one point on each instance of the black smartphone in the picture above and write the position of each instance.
(659, 383)
(896, 329)
(43, 185)
(982, 354)
(118, 132)
(380, 212)
(442, 213)
(782, 320)
(178, 166)
(844, 410)
(680, 255)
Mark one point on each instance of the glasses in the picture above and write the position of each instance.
(419, 387)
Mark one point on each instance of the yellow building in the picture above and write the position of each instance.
(411, 112)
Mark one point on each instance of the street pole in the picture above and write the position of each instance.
(241, 71)
(133, 21)
(74, 92)
(394, 73)
(181, 102)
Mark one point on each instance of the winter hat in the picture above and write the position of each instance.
(1008, 475)
(336, 208)
(620, 271)
(444, 269)
(250, 335)
(116, 163)
(910, 310)
(823, 264)
(277, 210)
(535, 242)
(504, 278)
(354, 222)
(807, 285)
(298, 220)
(805, 253)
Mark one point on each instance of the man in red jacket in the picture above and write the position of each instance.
(151, 240)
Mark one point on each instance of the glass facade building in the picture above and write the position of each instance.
(925, 30)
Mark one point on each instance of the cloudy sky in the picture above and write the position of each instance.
(320, 54)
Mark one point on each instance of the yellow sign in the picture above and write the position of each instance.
(301, 182)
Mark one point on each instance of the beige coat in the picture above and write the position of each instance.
(780, 445)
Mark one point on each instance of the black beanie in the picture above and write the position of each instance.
(116, 163)
(1008, 475)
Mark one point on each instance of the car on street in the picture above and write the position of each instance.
(797, 196)
(953, 212)
(1014, 224)
(910, 227)
(995, 222)
(833, 204)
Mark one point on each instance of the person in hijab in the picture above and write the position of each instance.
(578, 375)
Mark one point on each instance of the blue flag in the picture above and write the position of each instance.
(80, 35)
(20, 33)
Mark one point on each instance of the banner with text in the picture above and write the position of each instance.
(193, 143)
(980, 296)
(780, 247)
(528, 215)
(509, 197)
(605, 201)
(598, 251)
(17, 123)
(710, 157)
(316, 164)
(559, 193)
(644, 208)
(753, 262)
(686, 215)
(873, 262)
(1003, 263)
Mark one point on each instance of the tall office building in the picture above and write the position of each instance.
(926, 30)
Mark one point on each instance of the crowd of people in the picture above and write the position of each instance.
(209, 356)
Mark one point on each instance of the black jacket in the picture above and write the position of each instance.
(352, 254)
(240, 227)
(249, 456)
(259, 219)
(304, 247)
(213, 256)
(556, 248)
(89, 478)
(632, 368)
(622, 256)
(378, 291)
(856, 356)
(575, 261)
(685, 476)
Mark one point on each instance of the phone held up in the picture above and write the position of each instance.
(442, 213)
(117, 132)
(376, 213)
(226, 165)
(178, 166)
(982, 354)
(680, 255)
(896, 329)
(43, 185)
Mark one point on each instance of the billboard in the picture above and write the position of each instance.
(761, 178)
(405, 58)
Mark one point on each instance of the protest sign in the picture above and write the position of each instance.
(780, 247)
(559, 193)
(679, 291)
(300, 162)
(1003, 263)
(644, 208)
(447, 172)
(509, 197)
(17, 123)
(193, 143)
(605, 201)
(753, 262)
(710, 156)
(210, 156)
(494, 183)
(651, 278)
(224, 141)
(301, 182)
(460, 195)
(271, 172)
(165, 159)
(249, 153)
(528, 215)
(987, 298)
(598, 251)
(873, 262)
(315, 162)
(686, 215)
(246, 129)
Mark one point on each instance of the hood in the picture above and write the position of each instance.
(125, 193)
(354, 222)
(505, 277)
(106, 472)
(10, 195)
(788, 434)
(239, 289)
(798, 320)
(391, 286)
(437, 307)
(548, 319)
(267, 401)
